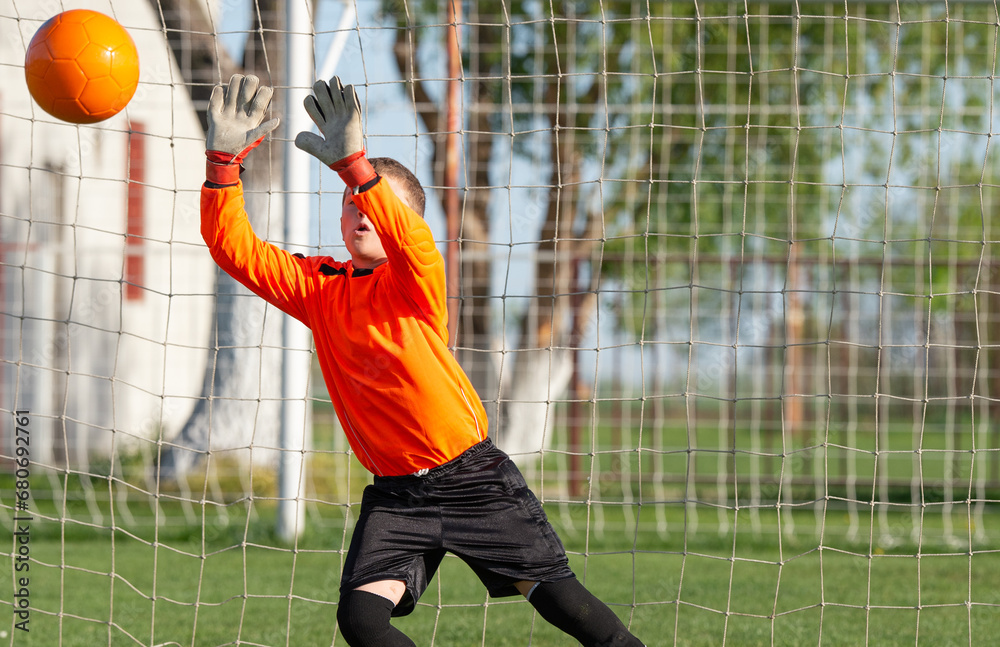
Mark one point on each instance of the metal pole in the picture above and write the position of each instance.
(297, 343)
(452, 203)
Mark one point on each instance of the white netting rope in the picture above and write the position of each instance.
(732, 262)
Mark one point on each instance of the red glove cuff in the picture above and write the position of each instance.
(222, 168)
(355, 170)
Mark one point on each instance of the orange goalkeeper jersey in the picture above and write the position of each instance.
(381, 335)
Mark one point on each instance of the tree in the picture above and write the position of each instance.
(714, 130)
(777, 136)
(524, 71)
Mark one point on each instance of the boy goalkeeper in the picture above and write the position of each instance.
(411, 416)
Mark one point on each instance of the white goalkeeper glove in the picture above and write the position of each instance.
(235, 113)
(336, 110)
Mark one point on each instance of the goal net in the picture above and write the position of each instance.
(721, 272)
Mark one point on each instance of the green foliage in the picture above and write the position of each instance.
(722, 128)
(760, 120)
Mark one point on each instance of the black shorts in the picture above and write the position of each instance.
(476, 506)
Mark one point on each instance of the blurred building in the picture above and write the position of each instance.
(105, 285)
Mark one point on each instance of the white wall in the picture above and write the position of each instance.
(74, 350)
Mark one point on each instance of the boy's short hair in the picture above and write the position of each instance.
(405, 180)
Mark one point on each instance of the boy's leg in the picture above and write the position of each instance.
(498, 527)
(391, 559)
(364, 613)
(569, 606)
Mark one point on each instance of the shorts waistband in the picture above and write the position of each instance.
(444, 468)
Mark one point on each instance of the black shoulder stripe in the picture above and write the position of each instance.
(329, 270)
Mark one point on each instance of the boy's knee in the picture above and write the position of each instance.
(364, 618)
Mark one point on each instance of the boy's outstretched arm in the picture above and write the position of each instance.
(235, 128)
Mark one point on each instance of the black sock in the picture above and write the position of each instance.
(363, 618)
(569, 606)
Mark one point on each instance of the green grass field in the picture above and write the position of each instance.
(815, 563)
(235, 585)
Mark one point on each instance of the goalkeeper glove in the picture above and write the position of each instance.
(336, 110)
(234, 126)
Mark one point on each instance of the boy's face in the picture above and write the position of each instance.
(362, 242)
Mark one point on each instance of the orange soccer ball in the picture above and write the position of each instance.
(81, 66)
